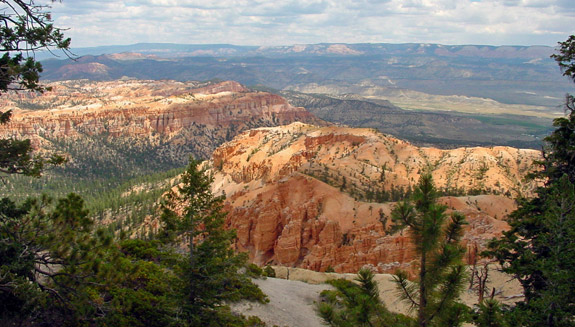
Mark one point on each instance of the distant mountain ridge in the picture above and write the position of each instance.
(508, 74)
(172, 50)
(424, 128)
(469, 86)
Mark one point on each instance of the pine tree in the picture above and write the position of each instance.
(26, 27)
(441, 271)
(48, 259)
(357, 304)
(140, 288)
(193, 215)
(490, 314)
(539, 248)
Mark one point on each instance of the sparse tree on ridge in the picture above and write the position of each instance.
(441, 278)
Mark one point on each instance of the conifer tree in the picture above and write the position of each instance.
(357, 304)
(26, 28)
(539, 248)
(441, 272)
(48, 259)
(210, 267)
(490, 314)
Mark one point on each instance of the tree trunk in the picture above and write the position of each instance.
(192, 263)
(422, 319)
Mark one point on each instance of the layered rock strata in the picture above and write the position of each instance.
(298, 195)
(163, 120)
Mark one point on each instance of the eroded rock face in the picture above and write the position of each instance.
(143, 107)
(171, 119)
(290, 193)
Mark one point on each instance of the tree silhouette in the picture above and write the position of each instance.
(26, 28)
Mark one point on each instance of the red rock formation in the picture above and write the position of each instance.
(121, 112)
(199, 116)
(285, 216)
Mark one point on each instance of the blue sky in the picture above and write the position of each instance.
(288, 22)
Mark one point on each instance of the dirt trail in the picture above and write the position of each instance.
(291, 303)
(294, 293)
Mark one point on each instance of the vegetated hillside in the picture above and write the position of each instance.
(442, 129)
(114, 131)
(375, 90)
(522, 75)
(319, 197)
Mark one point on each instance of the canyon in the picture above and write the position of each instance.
(449, 96)
(140, 126)
(300, 192)
(299, 195)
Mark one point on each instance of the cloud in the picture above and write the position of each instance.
(285, 22)
(286, 8)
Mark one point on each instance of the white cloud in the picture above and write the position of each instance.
(262, 22)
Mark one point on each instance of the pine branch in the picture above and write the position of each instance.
(408, 290)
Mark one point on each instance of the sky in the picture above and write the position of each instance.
(288, 22)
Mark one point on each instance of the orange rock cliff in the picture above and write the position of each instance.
(297, 194)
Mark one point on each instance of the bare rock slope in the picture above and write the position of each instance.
(319, 197)
(294, 295)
